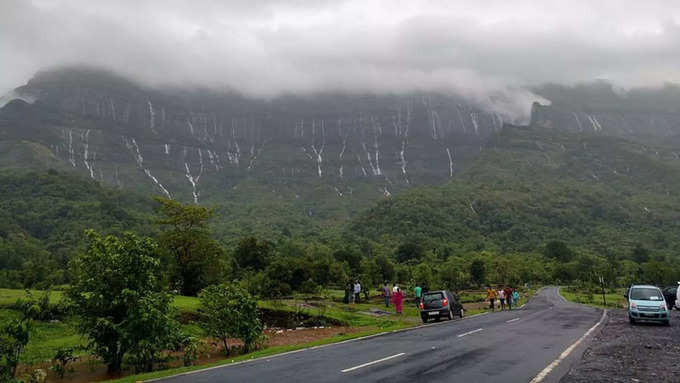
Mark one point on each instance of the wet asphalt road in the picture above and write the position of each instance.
(508, 346)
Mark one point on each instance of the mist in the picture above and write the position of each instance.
(491, 53)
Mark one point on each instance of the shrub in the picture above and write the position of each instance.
(190, 347)
(13, 339)
(231, 313)
(38, 308)
(61, 361)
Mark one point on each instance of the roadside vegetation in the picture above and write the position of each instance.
(592, 296)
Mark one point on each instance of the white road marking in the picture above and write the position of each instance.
(470, 332)
(512, 320)
(543, 374)
(373, 362)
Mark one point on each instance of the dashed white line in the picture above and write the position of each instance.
(373, 362)
(470, 332)
(512, 320)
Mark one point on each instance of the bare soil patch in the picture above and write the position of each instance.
(622, 352)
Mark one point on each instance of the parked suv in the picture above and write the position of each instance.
(670, 294)
(646, 303)
(438, 304)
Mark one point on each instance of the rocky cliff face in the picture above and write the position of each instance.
(640, 114)
(200, 145)
(193, 145)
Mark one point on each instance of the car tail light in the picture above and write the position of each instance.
(421, 305)
(633, 305)
(662, 306)
(445, 302)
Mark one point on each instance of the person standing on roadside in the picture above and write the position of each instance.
(386, 294)
(491, 296)
(501, 297)
(508, 296)
(398, 299)
(357, 291)
(515, 297)
(418, 292)
(348, 293)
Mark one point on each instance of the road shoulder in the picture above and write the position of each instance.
(628, 353)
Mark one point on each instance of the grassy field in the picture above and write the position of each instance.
(8, 297)
(46, 338)
(614, 297)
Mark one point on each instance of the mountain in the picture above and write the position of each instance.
(317, 159)
(306, 165)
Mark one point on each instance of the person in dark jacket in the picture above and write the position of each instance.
(348, 292)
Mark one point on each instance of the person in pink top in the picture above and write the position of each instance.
(398, 300)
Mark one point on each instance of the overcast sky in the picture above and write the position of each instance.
(474, 48)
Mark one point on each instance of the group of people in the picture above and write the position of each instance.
(353, 292)
(506, 295)
(396, 295)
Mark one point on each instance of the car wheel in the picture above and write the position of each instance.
(450, 314)
(631, 320)
(462, 312)
(424, 318)
(667, 323)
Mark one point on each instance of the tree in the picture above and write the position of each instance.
(13, 340)
(478, 272)
(351, 256)
(251, 254)
(122, 305)
(424, 275)
(558, 251)
(408, 251)
(657, 273)
(451, 275)
(197, 257)
(385, 267)
(640, 254)
(230, 312)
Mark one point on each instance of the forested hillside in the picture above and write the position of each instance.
(533, 185)
(43, 217)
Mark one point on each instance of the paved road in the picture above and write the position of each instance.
(509, 346)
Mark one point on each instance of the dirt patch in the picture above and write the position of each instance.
(294, 319)
(306, 335)
(622, 352)
(279, 318)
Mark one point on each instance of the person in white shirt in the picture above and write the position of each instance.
(395, 288)
(501, 297)
(357, 290)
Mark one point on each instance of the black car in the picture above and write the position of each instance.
(669, 293)
(438, 304)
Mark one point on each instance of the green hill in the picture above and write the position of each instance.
(43, 216)
(533, 185)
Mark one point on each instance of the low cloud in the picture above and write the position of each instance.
(490, 52)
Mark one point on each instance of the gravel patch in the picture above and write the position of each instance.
(621, 352)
